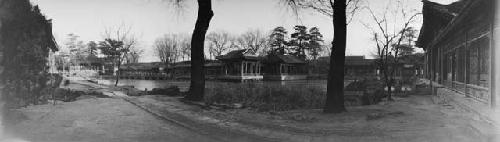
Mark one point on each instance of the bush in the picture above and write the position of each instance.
(68, 95)
(171, 91)
(267, 98)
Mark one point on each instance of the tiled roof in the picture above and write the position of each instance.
(435, 18)
(238, 55)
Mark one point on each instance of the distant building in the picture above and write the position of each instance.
(182, 70)
(240, 65)
(153, 70)
(359, 67)
(284, 67)
(457, 39)
(356, 67)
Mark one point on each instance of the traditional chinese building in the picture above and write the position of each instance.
(284, 67)
(357, 67)
(182, 70)
(240, 65)
(458, 41)
(153, 70)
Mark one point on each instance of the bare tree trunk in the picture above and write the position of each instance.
(335, 87)
(118, 72)
(205, 14)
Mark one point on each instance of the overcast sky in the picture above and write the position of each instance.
(151, 19)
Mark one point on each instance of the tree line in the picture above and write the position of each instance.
(302, 42)
(75, 52)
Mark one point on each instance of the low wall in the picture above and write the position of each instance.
(285, 77)
(241, 78)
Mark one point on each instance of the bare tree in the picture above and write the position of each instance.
(134, 55)
(326, 7)
(117, 45)
(393, 27)
(168, 48)
(254, 40)
(185, 48)
(219, 42)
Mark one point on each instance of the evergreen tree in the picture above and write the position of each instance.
(278, 41)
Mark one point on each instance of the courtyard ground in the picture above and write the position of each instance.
(415, 118)
(161, 118)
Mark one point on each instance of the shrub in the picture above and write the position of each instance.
(268, 97)
(170, 91)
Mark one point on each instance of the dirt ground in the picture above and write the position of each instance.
(95, 120)
(415, 118)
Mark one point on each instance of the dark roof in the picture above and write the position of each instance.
(95, 59)
(437, 17)
(213, 64)
(238, 55)
(354, 57)
(289, 59)
(365, 62)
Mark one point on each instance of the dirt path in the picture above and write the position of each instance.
(97, 120)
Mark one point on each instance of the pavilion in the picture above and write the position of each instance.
(284, 67)
(241, 65)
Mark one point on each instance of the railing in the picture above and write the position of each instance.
(145, 75)
(477, 92)
(474, 91)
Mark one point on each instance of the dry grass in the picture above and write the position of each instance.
(267, 97)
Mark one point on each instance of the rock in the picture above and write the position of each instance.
(82, 97)
(237, 106)
(135, 93)
(374, 116)
(171, 91)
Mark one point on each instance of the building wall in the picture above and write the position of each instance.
(461, 58)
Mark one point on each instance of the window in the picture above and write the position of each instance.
(460, 64)
(484, 62)
(473, 66)
(479, 60)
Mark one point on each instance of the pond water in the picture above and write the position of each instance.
(184, 85)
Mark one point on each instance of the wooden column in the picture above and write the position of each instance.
(242, 68)
(280, 69)
(258, 68)
(226, 68)
(466, 59)
(246, 67)
(494, 55)
(251, 64)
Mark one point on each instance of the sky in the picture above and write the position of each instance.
(150, 19)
